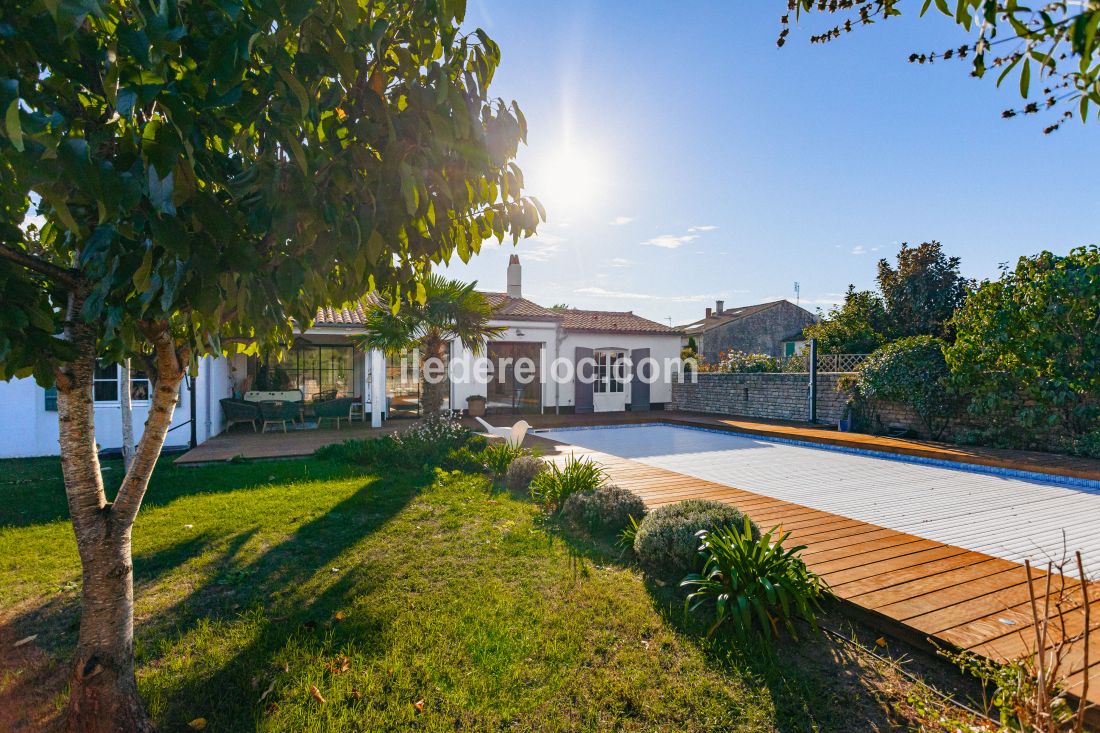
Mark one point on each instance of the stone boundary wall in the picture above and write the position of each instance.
(776, 396)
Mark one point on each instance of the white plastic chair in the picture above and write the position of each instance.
(514, 434)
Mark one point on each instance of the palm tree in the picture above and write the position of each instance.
(451, 310)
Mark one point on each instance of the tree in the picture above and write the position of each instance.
(1058, 40)
(451, 310)
(912, 372)
(1028, 343)
(858, 326)
(208, 175)
(922, 293)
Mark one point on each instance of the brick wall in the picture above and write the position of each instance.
(777, 397)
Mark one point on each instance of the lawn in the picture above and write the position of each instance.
(303, 595)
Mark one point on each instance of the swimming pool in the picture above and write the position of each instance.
(1008, 514)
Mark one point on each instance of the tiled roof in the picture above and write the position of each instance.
(612, 322)
(729, 314)
(519, 308)
(341, 316)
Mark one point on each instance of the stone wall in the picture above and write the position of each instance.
(759, 333)
(778, 397)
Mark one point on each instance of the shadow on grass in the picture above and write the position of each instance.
(284, 597)
(815, 683)
(277, 582)
(32, 491)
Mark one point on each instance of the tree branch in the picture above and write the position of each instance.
(171, 363)
(63, 276)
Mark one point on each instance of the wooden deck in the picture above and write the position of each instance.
(916, 589)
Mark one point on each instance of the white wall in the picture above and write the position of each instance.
(28, 429)
(544, 333)
(661, 347)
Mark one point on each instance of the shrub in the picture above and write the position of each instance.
(1087, 445)
(666, 542)
(522, 471)
(753, 582)
(608, 508)
(911, 372)
(740, 362)
(498, 457)
(429, 443)
(553, 486)
(1027, 346)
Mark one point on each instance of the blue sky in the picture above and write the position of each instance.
(682, 157)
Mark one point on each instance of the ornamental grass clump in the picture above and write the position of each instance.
(556, 484)
(753, 584)
(665, 541)
(498, 457)
(606, 509)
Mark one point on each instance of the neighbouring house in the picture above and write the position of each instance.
(764, 328)
(323, 362)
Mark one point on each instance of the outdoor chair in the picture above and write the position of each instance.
(338, 409)
(513, 434)
(236, 411)
(279, 413)
(327, 396)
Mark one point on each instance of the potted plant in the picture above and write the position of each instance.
(475, 405)
(844, 424)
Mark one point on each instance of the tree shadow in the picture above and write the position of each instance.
(276, 596)
(32, 491)
(236, 583)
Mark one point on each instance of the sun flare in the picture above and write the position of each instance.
(569, 181)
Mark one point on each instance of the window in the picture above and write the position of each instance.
(609, 372)
(316, 370)
(105, 384)
(107, 379)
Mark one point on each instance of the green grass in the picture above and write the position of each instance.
(273, 577)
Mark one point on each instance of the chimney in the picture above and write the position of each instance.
(515, 277)
(719, 306)
(708, 312)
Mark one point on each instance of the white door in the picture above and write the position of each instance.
(609, 389)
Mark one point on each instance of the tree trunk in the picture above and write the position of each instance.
(103, 696)
(433, 395)
(127, 415)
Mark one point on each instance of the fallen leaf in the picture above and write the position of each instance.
(881, 641)
(188, 526)
(419, 705)
(339, 616)
(355, 694)
(197, 723)
(25, 640)
(316, 694)
(267, 691)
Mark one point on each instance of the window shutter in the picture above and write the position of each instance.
(51, 399)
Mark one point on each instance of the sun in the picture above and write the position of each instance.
(568, 180)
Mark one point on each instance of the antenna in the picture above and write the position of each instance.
(797, 293)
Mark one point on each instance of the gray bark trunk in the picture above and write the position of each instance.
(127, 417)
(103, 696)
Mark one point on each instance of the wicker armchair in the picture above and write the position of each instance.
(338, 409)
(236, 411)
(279, 413)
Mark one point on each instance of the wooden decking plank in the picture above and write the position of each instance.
(951, 594)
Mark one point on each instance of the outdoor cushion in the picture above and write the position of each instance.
(340, 407)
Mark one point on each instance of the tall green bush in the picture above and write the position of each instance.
(912, 372)
(1028, 345)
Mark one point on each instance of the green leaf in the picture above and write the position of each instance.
(1025, 78)
(160, 191)
(13, 126)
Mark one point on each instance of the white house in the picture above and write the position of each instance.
(543, 361)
